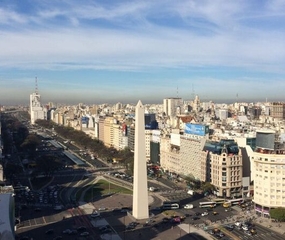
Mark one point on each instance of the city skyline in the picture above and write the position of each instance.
(95, 52)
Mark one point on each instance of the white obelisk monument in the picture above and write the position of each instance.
(140, 191)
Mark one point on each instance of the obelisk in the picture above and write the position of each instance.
(140, 191)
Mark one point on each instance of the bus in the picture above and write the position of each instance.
(219, 201)
(207, 204)
(236, 201)
(170, 205)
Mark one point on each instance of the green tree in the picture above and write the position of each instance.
(47, 164)
(207, 187)
(31, 143)
(278, 214)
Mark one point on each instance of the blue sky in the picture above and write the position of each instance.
(122, 51)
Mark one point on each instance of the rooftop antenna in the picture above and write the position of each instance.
(177, 91)
(36, 85)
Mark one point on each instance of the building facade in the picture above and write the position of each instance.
(36, 110)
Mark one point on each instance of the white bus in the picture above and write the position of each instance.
(236, 201)
(207, 204)
(219, 200)
(170, 205)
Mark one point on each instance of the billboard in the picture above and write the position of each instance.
(84, 120)
(196, 129)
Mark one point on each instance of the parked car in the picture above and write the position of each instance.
(81, 228)
(95, 214)
(66, 231)
(84, 234)
(50, 231)
(204, 214)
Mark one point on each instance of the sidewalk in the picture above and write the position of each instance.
(278, 227)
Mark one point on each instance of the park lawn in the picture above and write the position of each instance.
(102, 188)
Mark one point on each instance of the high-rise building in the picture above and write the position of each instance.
(172, 106)
(277, 110)
(37, 111)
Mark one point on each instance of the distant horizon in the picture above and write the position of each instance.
(217, 101)
(98, 51)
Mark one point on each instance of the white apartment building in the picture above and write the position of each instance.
(268, 172)
(191, 159)
(269, 181)
(169, 155)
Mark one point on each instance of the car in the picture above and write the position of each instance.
(129, 227)
(84, 234)
(73, 232)
(50, 231)
(188, 206)
(211, 232)
(195, 218)
(66, 231)
(244, 227)
(221, 234)
(230, 227)
(204, 214)
(238, 224)
(102, 209)
(215, 213)
(248, 233)
(197, 214)
(103, 228)
(95, 214)
(107, 230)
(81, 228)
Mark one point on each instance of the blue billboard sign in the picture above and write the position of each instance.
(84, 120)
(196, 129)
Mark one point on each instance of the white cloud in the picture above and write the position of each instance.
(139, 42)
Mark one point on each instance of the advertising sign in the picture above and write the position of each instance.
(196, 129)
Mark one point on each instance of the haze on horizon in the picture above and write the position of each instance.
(122, 51)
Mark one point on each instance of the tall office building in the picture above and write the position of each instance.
(172, 106)
(277, 110)
(36, 109)
(140, 192)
